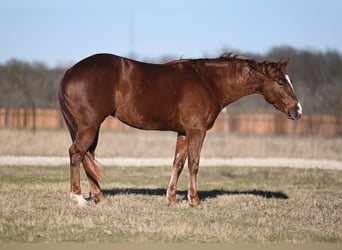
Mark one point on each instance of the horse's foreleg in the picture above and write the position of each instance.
(195, 139)
(178, 164)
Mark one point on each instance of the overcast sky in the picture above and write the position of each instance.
(65, 31)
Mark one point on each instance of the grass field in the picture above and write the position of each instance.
(239, 205)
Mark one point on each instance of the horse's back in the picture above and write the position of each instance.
(96, 68)
(139, 94)
(142, 95)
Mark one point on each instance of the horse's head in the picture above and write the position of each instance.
(277, 88)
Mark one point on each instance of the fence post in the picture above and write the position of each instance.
(34, 118)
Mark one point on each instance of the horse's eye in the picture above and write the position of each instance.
(282, 84)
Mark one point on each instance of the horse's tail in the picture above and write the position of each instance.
(64, 105)
(90, 166)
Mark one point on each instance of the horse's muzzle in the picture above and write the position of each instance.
(295, 112)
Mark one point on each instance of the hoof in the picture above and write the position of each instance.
(172, 203)
(103, 202)
(195, 201)
(171, 199)
(98, 198)
(79, 198)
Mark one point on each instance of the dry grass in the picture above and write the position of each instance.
(135, 143)
(239, 205)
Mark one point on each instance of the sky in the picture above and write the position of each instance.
(63, 32)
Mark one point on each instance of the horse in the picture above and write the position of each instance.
(184, 96)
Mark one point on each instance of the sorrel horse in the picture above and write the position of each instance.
(184, 96)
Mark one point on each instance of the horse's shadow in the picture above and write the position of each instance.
(203, 194)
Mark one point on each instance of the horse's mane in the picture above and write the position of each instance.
(264, 67)
(230, 56)
(225, 57)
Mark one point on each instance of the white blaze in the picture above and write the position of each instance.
(288, 80)
(299, 108)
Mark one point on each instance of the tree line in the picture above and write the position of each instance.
(317, 77)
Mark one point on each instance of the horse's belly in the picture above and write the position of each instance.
(146, 120)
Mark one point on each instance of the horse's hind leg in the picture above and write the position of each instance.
(178, 164)
(83, 139)
(89, 165)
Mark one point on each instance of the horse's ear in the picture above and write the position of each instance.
(286, 62)
(271, 68)
(283, 65)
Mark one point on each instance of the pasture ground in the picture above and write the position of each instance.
(240, 205)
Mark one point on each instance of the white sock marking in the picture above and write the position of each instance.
(79, 198)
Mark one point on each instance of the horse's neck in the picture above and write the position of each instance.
(232, 81)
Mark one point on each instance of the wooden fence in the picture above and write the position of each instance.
(241, 123)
